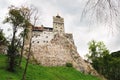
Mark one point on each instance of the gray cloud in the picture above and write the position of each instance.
(3, 4)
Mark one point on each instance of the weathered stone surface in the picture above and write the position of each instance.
(58, 52)
(54, 47)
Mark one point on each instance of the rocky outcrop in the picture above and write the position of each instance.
(59, 51)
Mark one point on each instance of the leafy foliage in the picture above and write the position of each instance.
(16, 19)
(69, 65)
(114, 66)
(105, 63)
(96, 50)
(3, 40)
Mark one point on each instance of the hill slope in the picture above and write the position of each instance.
(36, 72)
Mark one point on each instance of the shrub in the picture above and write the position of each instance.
(69, 65)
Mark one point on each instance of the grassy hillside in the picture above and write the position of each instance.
(36, 72)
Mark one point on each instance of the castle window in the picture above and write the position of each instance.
(46, 41)
(46, 36)
(32, 41)
(38, 42)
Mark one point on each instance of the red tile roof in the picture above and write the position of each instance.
(38, 28)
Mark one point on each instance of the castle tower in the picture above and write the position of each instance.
(58, 24)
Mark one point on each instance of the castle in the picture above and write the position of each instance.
(43, 35)
(54, 47)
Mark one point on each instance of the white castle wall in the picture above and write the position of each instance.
(42, 38)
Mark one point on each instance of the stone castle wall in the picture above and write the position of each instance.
(56, 48)
(59, 51)
(42, 38)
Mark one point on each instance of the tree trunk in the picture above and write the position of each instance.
(28, 57)
(22, 50)
(11, 54)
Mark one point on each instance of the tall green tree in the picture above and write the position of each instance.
(105, 63)
(16, 20)
(33, 12)
(97, 50)
(25, 12)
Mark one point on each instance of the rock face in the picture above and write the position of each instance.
(59, 51)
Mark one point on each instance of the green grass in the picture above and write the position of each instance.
(36, 72)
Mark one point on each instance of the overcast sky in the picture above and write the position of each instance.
(71, 11)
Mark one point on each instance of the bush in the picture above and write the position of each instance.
(69, 65)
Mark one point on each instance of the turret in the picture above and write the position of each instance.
(58, 24)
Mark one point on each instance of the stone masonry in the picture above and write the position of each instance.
(56, 48)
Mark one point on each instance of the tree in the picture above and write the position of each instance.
(97, 51)
(104, 12)
(26, 14)
(114, 65)
(16, 19)
(33, 12)
(105, 63)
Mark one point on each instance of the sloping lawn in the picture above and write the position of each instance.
(37, 72)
